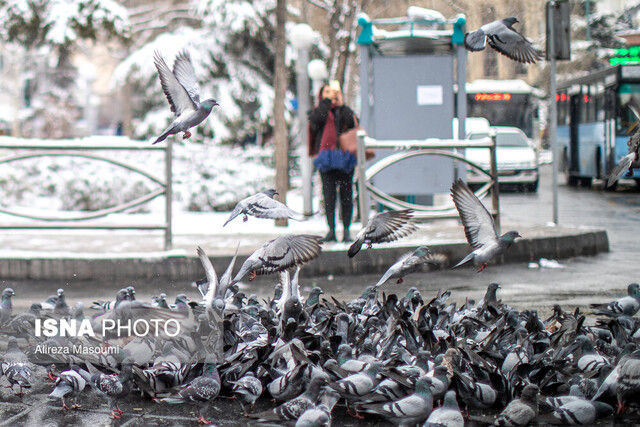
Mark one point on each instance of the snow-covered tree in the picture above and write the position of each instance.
(232, 47)
(48, 31)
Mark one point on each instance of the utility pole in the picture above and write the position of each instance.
(553, 112)
(280, 138)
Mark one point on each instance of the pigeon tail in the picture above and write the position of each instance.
(475, 40)
(464, 260)
(162, 137)
(383, 279)
(355, 247)
(623, 165)
(60, 391)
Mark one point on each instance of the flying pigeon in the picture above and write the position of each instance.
(628, 162)
(410, 262)
(279, 254)
(263, 205)
(502, 37)
(181, 89)
(479, 227)
(384, 227)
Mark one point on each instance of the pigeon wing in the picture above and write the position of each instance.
(390, 226)
(513, 45)
(287, 251)
(475, 41)
(176, 94)
(476, 219)
(186, 75)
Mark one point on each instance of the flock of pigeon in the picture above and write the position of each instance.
(379, 356)
(407, 360)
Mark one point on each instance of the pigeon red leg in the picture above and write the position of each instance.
(76, 406)
(620, 407)
(400, 280)
(114, 415)
(186, 135)
(202, 419)
(64, 405)
(252, 275)
(245, 218)
(482, 267)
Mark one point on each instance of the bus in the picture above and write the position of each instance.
(596, 114)
(505, 103)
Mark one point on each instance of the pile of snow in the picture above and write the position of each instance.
(206, 177)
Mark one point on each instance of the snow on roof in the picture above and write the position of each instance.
(511, 86)
(415, 12)
(7, 113)
(427, 34)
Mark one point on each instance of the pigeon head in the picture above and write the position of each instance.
(510, 236)
(122, 295)
(181, 298)
(634, 290)
(423, 385)
(510, 21)
(530, 393)
(422, 251)
(60, 292)
(208, 104)
(271, 192)
(7, 293)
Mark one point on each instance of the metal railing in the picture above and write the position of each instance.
(84, 150)
(424, 147)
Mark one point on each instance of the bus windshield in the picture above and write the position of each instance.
(628, 108)
(507, 110)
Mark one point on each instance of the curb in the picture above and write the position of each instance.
(372, 261)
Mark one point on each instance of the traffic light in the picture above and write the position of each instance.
(559, 12)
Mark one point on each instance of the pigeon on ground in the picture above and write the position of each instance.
(5, 306)
(279, 254)
(294, 408)
(201, 390)
(182, 91)
(628, 162)
(384, 227)
(628, 305)
(479, 227)
(505, 39)
(410, 410)
(520, 411)
(263, 205)
(248, 387)
(448, 414)
(628, 389)
(72, 381)
(582, 412)
(410, 262)
(15, 366)
(114, 387)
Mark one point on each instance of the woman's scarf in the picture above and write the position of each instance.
(329, 134)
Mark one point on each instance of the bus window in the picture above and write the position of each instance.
(628, 108)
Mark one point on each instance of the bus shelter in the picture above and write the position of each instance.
(409, 71)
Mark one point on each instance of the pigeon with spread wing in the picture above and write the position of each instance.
(384, 227)
(628, 162)
(180, 86)
(279, 254)
(479, 227)
(502, 37)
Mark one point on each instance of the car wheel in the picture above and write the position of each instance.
(533, 187)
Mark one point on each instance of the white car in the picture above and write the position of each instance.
(516, 157)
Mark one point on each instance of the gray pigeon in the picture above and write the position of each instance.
(279, 254)
(72, 381)
(410, 410)
(263, 205)
(181, 89)
(6, 307)
(410, 262)
(582, 412)
(628, 162)
(448, 414)
(505, 39)
(15, 366)
(248, 387)
(384, 227)
(520, 411)
(479, 227)
(628, 305)
(628, 389)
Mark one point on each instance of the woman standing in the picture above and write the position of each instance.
(327, 122)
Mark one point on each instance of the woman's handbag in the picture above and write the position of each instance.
(349, 141)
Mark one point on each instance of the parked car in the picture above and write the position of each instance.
(516, 157)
